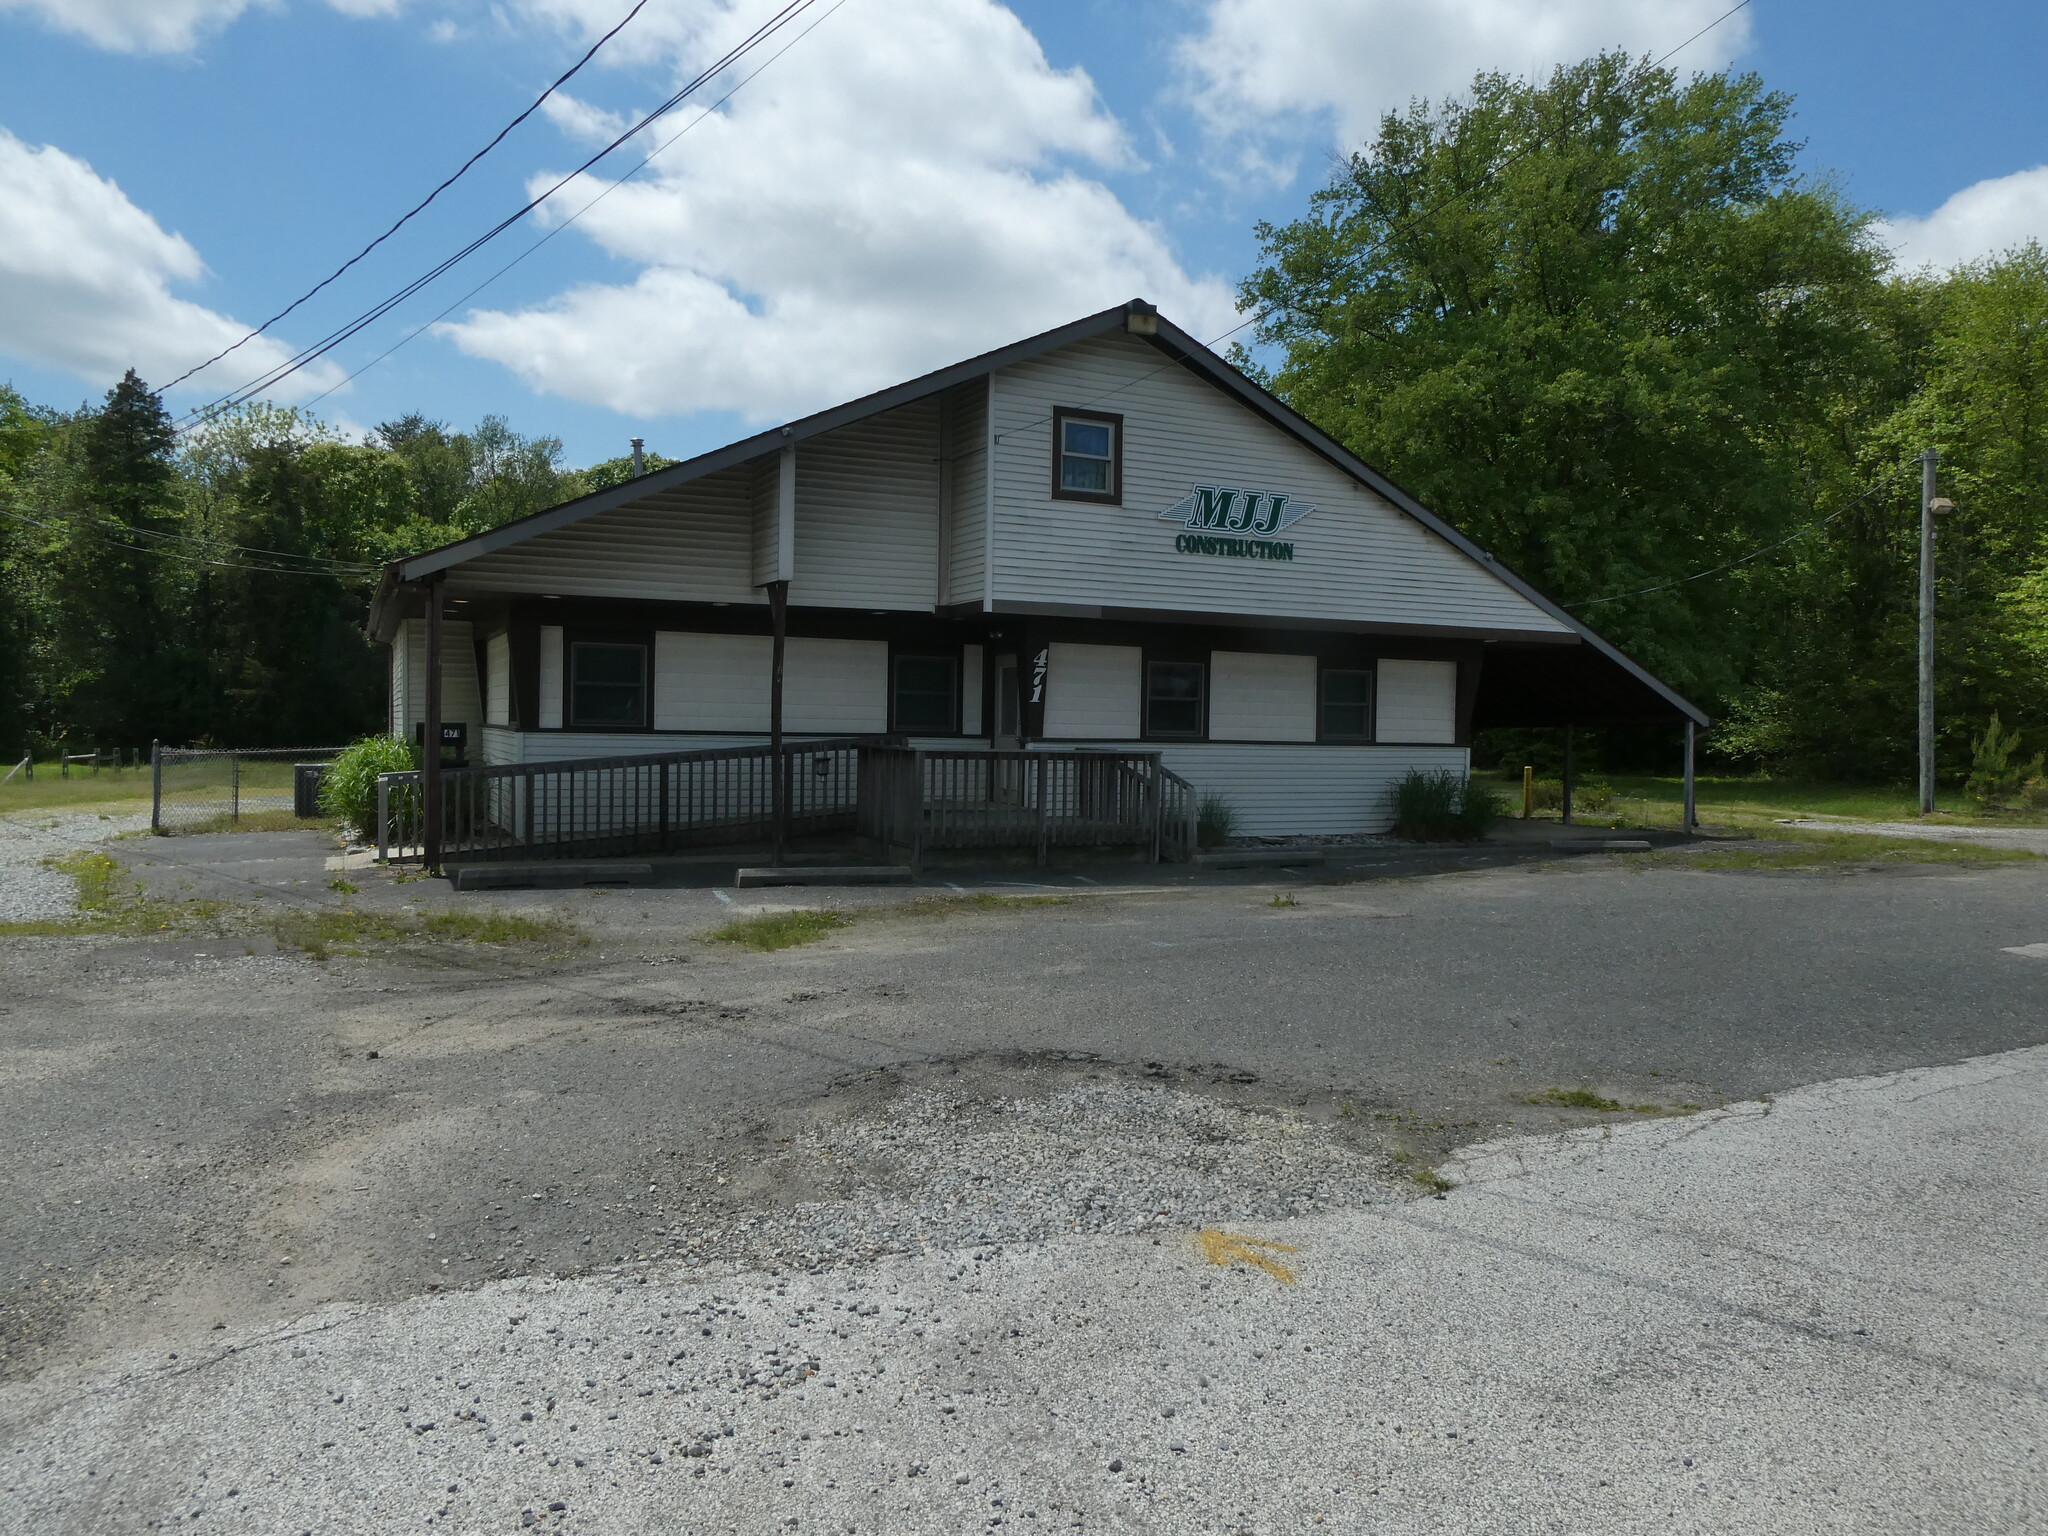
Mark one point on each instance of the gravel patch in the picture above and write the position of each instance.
(28, 891)
(1072, 1150)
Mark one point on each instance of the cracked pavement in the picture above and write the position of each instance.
(1001, 1128)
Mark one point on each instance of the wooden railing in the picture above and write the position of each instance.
(903, 801)
(917, 799)
(610, 807)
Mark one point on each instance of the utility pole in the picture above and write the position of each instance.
(1930, 505)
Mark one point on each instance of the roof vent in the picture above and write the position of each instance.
(1141, 319)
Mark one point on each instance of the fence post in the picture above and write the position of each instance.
(383, 820)
(1155, 786)
(156, 786)
(1041, 806)
(234, 786)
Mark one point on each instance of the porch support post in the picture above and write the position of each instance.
(778, 615)
(1565, 819)
(430, 733)
(1692, 818)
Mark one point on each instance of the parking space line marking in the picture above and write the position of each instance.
(721, 896)
(1085, 880)
(2029, 951)
(960, 888)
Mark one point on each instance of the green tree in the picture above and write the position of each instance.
(112, 572)
(1840, 670)
(1603, 325)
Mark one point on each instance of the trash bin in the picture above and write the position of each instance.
(306, 779)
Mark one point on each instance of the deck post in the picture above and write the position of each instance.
(430, 734)
(1692, 818)
(1565, 794)
(778, 615)
(1042, 808)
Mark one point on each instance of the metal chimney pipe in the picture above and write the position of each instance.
(639, 457)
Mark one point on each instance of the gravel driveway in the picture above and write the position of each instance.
(28, 890)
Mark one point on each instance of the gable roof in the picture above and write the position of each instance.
(1179, 348)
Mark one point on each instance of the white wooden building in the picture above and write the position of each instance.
(1104, 535)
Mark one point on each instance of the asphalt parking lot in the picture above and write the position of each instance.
(210, 1141)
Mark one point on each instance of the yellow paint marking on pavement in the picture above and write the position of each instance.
(1226, 1248)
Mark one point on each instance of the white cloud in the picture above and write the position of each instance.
(906, 188)
(159, 26)
(1982, 220)
(87, 276)
(1260, 67)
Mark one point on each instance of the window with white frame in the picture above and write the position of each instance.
(1087, 460)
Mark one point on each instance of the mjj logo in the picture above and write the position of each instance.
(1226, 509)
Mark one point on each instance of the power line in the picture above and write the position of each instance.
(418, 207)
(274, 376)
(1819, 522)
(339, 570)
(624, 176)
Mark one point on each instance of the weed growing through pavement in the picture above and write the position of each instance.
(777, 930)
(785, 930)
(1584, 1098)
(1284, 899)
(109, 903)
(345, 887)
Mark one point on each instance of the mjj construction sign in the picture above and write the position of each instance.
(1246, 520)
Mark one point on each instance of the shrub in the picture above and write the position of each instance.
(1437, 805)
(1996, 779)
(348, 792)
(1215, 821)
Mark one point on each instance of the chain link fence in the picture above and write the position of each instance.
(202, 789)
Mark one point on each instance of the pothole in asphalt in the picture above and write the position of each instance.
(1021, 1150)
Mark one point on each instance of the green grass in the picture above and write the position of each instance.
(1755, 801)
(111, 789)
(256, 821)
(1585, 1098)
(785, 930)
(778, 930)
(108, 902)
(1795, 848)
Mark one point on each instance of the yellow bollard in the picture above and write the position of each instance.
(1528, 791)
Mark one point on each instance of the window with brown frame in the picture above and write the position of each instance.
(1087, 456)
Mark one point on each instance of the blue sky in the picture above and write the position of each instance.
(914, 181)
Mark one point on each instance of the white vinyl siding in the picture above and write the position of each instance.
(550, 701)
(711, 682)
(722, 683)
(967, 516)
(1418, 701)
(1093, 691)
(1254, 697)
(867, 513)
(692, 544)
(1282, 791)
(498, 680)
(836, 687)
(396, 715)
(1355, 557)
(970, 690)
(461, 698)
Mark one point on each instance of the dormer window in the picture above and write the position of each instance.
(1087, 458)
